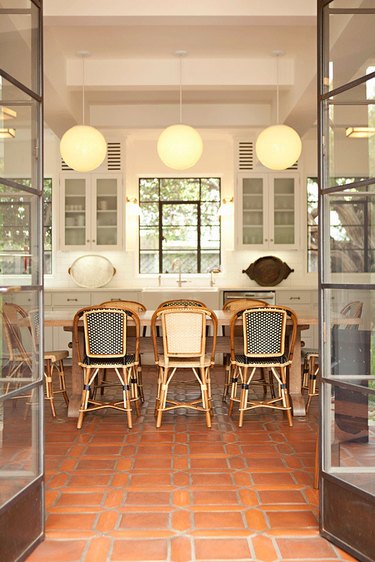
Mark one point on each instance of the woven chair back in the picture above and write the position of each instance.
(12, 314)
(105, 333)
(128, 305)
(239, 304)
(264, 332)
(182, 302)
(184, 333)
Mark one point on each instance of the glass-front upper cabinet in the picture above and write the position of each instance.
(267, 209)
(91, 207)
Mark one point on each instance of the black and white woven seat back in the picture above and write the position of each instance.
(264, 332)
(105, 333)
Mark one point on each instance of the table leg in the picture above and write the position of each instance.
(297, 400)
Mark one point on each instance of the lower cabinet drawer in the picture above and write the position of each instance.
(72, 298)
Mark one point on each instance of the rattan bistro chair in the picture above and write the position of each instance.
(233, 305)
(17, 320)
(136, 307)
(266, 344)
(53, 363)
(105, 347)
(184, 347)
(311, 363)
(182, 302)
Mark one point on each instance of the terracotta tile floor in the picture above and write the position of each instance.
(182, 492)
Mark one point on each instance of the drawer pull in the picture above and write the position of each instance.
(72, 300)
(294, 298)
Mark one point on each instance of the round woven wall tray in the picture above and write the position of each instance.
(268, 271)
(91, 271)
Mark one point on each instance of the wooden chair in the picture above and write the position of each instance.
(182, 302)
(311, 364)
(184, 347)
(20, 356)
(234, 305)
(53, 363)
(265, 344)
(105, 347)
(136, 307)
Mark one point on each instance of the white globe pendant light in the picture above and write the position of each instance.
(180, 146)
(278, 147)
(83, 147)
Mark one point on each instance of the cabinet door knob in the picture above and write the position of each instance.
(271, 239)
(88, 241)
(266, 239)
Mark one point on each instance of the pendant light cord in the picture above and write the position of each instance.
(83, 90)
(277, 89)
(180, 88)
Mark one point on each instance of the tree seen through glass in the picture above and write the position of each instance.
(179, 225)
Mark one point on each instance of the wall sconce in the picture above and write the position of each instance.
(359, 132)
(7, 133)
(133, 206)
(226, 207)
(7, 113)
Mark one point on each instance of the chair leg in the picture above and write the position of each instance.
(126, 389)
(285, 396)
(104, 380)
(205, 396)
(226, 361)
(163, 396)
(234, 374)
(61, 371)
(244, 396)
(85, 397)
(49, 389)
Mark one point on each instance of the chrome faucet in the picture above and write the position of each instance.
(212, 271)
(177, 263)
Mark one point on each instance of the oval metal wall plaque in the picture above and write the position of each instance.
(268, 271)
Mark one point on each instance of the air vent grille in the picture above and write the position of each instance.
(65, 167)
(114, 156)
(245, 155)
(112, 162)
(294, 167)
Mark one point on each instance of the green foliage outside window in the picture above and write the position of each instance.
(351, 216)
(16, 227)
(179, 225)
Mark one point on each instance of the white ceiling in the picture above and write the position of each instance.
(132, 62)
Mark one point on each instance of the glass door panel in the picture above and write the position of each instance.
(253, 211)
(284, 211)
(75, 212)
(347, 299)
(107, 211)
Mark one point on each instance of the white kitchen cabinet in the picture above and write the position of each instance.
(91, 212)
(67, 301)
(268, 211)
(304, 304)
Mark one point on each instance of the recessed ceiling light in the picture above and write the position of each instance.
(7, 133)
(359, 132)
(7, 113)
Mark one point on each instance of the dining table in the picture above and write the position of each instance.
(64, 320)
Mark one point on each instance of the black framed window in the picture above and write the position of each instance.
(15, 243)
(352, 246)
(179, 227)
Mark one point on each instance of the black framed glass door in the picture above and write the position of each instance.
(347, 293)
(21, 375)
